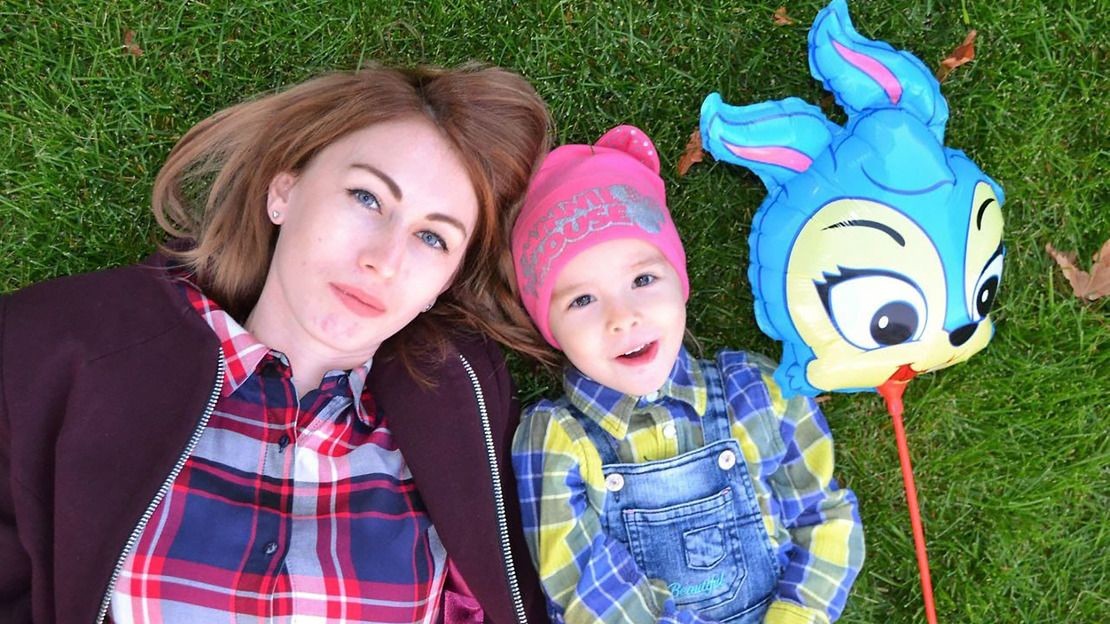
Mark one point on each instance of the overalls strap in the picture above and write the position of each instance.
(607, 446)
(716, 424)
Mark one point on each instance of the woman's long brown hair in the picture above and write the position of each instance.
(212, 189)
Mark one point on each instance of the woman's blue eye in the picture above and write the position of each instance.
(432, 240)
(581, 302)
(366, 198)
(643, 280)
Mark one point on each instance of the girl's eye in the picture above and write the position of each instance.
(582, 301)
(366, 198)
(431, 239)
(643, 280)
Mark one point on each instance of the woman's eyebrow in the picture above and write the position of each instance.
(393, 188)
(449, 220)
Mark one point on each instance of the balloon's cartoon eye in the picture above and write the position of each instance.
(874, 309)
(981, 298)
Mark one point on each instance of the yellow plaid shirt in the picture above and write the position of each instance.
(813, 524)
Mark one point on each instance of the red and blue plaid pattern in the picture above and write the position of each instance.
(285, 509)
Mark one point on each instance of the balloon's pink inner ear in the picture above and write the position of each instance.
(787, 157)
(873, 69)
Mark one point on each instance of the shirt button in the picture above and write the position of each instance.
(651, 397)
(726, 460)
(283, 442)
(669, 431)
(271, 548)
(614, 482)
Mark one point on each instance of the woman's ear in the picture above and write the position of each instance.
(277, 196)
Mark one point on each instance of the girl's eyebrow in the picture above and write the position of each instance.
(646, 262)
(651, 260)
(562, 292)
(393, 188)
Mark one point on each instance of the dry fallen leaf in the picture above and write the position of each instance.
(822, 398)
(692, 154)
(960, 55)
(1086, 285)
(781, 18)
(129, 42)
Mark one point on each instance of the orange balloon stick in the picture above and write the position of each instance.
(892, 390)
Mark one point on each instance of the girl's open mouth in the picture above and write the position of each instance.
(640, 354)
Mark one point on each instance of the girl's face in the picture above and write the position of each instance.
(373, 229)
(619, 315)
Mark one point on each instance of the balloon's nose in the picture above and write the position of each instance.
(961, 334)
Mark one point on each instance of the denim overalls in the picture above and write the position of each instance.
(692, 521)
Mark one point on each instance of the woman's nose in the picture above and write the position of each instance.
(383, 253)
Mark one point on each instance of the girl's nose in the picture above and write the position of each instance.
(622, 317)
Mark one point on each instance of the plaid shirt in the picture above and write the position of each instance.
(286, 510)
(814, 526)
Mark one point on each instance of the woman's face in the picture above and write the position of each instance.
(372, 231)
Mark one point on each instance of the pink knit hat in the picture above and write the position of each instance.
(584, 195)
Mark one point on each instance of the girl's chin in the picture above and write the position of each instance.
(639, 387)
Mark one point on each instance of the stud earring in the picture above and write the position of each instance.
(275, 214)
(429, 306)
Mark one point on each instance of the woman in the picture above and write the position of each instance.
(200, 438)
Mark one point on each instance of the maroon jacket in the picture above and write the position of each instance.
(103, 379)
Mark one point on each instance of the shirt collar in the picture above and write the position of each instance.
(613, 410)
(364, 408)
(242, 352)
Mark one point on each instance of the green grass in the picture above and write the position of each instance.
(1011, 448)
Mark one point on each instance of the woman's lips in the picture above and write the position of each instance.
(358, 301)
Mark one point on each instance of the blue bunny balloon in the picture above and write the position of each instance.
(878, 251)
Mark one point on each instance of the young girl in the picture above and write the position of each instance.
(661, 487)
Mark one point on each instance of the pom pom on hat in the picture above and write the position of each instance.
(585, 195)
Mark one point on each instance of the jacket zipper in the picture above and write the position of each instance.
(498, 496)
(141, 526)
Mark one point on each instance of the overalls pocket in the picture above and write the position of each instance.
(693, 547)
